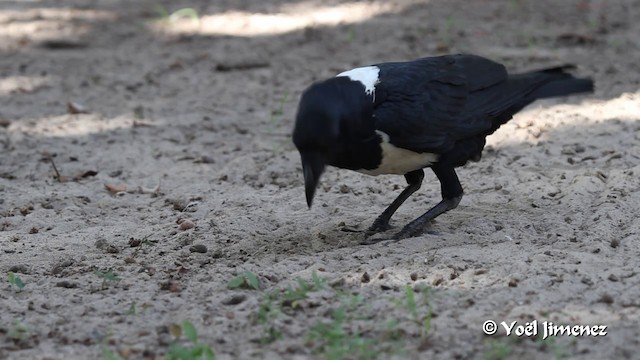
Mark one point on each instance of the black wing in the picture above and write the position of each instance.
(429, 104)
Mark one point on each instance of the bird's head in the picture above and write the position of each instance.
(316, 133)
(332, 114)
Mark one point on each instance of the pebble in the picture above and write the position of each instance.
(198, 248)
(101, 243)
(365, 277)
(235, 299)
(19, 269)
(67, 284)
(186, 225)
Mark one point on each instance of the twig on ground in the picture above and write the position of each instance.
(50, 158)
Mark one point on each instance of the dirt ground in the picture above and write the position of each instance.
(155, 123)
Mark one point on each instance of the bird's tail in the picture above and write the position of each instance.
(557, 82)
(523, 89)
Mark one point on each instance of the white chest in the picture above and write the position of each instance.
(399, 161)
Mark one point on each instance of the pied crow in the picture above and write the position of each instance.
(402, 117)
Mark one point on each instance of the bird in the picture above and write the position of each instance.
(402, 117)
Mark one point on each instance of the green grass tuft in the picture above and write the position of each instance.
(194, 350)
(246, 280)
(15, 281)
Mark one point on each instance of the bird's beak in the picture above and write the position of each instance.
(313, 165)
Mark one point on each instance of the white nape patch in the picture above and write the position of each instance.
(367, 75)
(399, 161)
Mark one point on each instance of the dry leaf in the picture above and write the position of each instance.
(146, 190)
(175, 330)
(88, 173)
(85, 175)
(114, 189)
(75, 108)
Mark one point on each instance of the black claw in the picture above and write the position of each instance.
(407, 232)
(377, 227)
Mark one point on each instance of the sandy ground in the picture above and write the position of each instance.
(190, 122)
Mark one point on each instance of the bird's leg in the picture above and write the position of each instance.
(451, 196)
(414, 180)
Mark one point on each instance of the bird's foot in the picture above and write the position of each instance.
(417, 226)
(412, 229)
(402, 234)
(373, 234)
(378, 226)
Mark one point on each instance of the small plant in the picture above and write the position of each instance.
(135, 310)
(132, 309)
(108, 354)
(15, 280)
(352, 301)
(293, 295)
(392, 330)
(271, 305)
(276, 115)
(142, 244)
(498, 350)
(560, 351)
(319, 282)
(267, 312)
(517, 6)
(195, 350)
(412, 307)
(190, 13)
(410, 304)
(450, 28)
(107, 277)
(246, 280)
(337, 341)
(341, 335)
(339, 338)
(18, 331)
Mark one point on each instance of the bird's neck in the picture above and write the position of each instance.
(357, 151)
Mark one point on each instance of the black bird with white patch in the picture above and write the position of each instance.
(401, 117)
